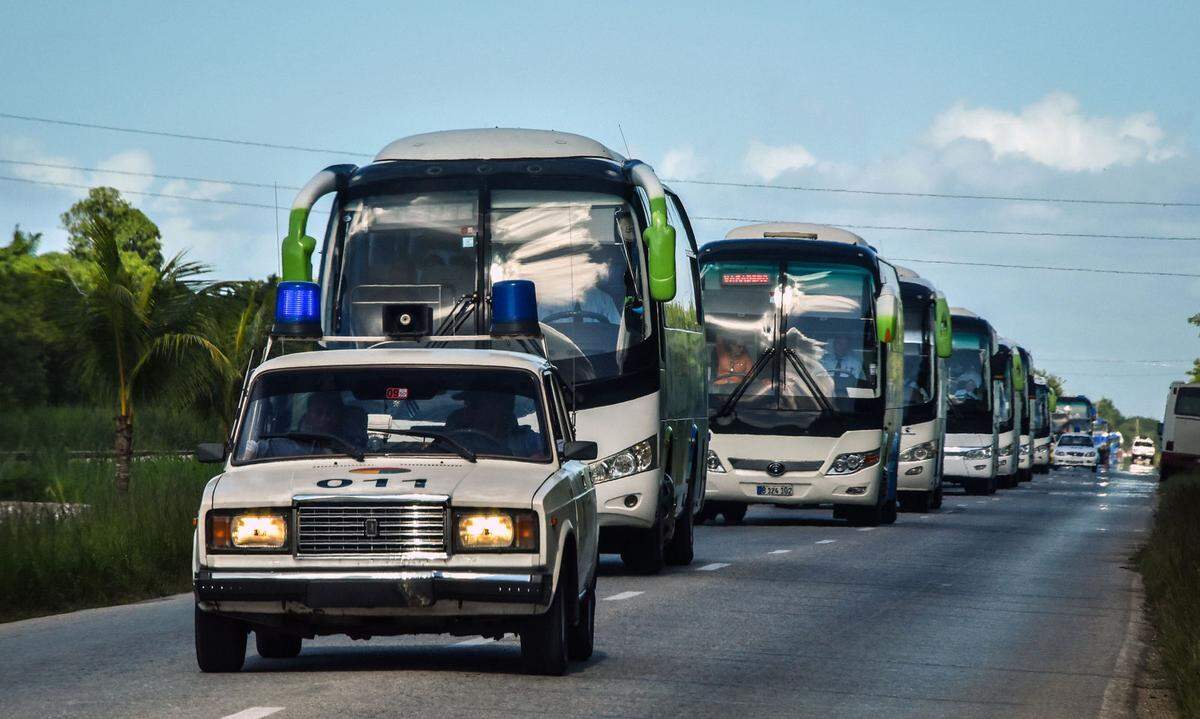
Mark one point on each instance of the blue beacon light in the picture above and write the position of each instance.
(514, 309)
(298, 309)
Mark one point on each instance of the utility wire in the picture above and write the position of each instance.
(715, 183)
(130, 173)
(1116, 361)
(1047, 267)
(966, 231)
(180, 135)
(938, 195)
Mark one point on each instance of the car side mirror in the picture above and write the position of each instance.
(581, 450)
(210, 452)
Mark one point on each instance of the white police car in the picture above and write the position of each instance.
(390, 491)
(1075, 449)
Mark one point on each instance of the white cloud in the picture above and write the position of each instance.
(680, 162)
(1053, 132)
(769, 161)
(130, 161)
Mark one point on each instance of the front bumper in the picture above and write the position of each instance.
(1069, 461)
(957, 466)
(918, 476)
(1041, 455)
(369, 590)
(741, 485)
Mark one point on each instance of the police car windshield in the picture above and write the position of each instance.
(1075, 440)
(293, 414)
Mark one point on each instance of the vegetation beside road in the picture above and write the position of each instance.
(1170, 567)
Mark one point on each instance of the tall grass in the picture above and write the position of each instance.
(56, 429)
(116, 548)
(1170, 567)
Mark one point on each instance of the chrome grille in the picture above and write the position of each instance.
(401, 528)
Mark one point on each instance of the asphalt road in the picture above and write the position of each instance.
(1013, 605)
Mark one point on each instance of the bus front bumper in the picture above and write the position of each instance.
(794, 488)
(918, 476)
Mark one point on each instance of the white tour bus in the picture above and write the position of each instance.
(1006, 376)
(805, 342)
(927, 345)
(1025, 398)
(1040, 398)
(1180, 431)
(973, 417)
(417, 239)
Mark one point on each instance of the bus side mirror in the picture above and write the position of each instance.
(943, 336)
(886, 313)
(1018, 372)
(660, 240)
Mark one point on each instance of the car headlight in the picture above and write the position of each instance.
(713, 462)
(919, 453)
(638, 458)
(247, 530)
(978, 453)
(483, 530)
(852, 462)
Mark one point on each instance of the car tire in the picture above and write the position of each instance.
(581, 638)
(544, 639)
(277, 645)
(644, 551)
(734, 512)
(220, 642)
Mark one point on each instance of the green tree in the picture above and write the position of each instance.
(1106, 410)
(1053, 381)
(135, 327)
(1195, 373)
(134, 231)
(24, 380)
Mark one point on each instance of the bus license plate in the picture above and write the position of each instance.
(774, 490)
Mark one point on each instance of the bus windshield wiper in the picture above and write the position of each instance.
(741, 387)
(459, 448)
(809, 381)
(347, 448)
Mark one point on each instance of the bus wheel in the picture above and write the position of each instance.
(643, 552)
(734, 512)
(916, 501)
(709, 512)
(680, 549)
(936, 502)
(888, 512)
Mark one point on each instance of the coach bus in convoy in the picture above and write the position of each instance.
(804, 334)
(417, 238)
(972, 419)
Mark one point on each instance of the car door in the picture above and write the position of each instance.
(586, 521)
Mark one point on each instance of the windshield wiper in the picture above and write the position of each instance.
(809, 381)
(454, 319)
(742, 386)
(459, 448)
(347, 448)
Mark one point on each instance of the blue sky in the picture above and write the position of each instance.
(1048, 99)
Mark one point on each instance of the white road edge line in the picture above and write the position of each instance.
(254, 713)
(713, 567)
(477, 641)
(826, 541)
(622, 596)
(779, 551)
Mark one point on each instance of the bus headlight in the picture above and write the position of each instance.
(852, 462)
(978, 453)
(638, 458)
(1006, 450)
(920, 453)
(714, 463)
(1024, 450)
(481, 530)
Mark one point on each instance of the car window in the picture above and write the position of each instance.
(1187, 404)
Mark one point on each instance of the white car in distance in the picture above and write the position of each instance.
(396, 491)
(1075, 449)
(1142, 451)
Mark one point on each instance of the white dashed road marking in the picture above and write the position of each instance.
(622, 596)
(476, 641)
(866, 529)
(826, 541)
(713, 567)
(254, 713)
(779, 551)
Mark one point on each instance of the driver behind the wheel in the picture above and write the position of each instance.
(733, 361)
(324, 414)
(842, 362)
(493, 415)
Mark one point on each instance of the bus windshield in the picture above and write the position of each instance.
(918, 354)
(1040, 418)
(968, 372)
(790, 336)
(579, 249)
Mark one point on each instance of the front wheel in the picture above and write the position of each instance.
(644, 551)
(276, 645)
(734, 512)
(681, 549)
(220, 642)
(936, 503)
(544, 639)
(919, 502)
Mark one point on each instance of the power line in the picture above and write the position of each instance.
(1048, 267)
(1116, 361)
(181, 136)
(971, 231)
(210, 200)
(130, 173)
(938, 195)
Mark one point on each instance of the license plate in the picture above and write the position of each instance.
(774, 490)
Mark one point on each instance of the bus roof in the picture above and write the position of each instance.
(910, 277)
(963, 312)
(495, 143)
(795, 231)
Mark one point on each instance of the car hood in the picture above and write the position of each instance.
(483, 483)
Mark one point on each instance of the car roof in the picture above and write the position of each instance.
(406, 356)
(495, 143)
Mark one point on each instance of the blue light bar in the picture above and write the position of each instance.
(514, 309)
(298, 309)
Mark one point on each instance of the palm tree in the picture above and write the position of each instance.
(240, 335)
(137, 330)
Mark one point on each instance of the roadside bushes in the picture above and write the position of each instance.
(102, 547)
(1170, 567)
